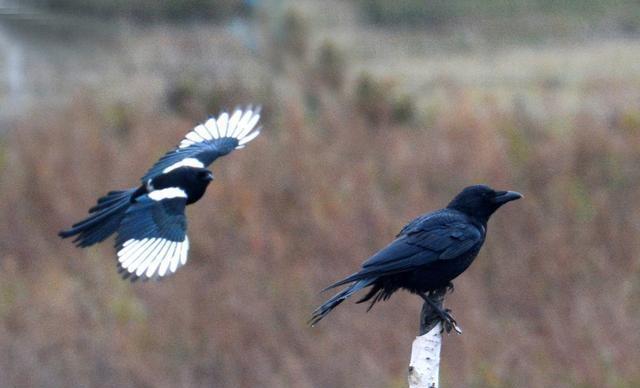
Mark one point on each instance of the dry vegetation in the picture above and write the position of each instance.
(553, 299)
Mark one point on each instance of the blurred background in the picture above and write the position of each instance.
(373, 112)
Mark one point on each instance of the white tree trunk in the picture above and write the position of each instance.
(424, 367)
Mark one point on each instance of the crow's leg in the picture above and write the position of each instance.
(448, 323)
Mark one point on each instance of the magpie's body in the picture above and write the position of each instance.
(193, 181)
(149, 220)
(428, 252)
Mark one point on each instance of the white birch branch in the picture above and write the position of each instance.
(424, 367)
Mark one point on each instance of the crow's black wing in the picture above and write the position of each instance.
(210, 140)
(152, 240)
(441, 235)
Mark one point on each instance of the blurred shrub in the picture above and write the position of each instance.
(149, 9)
(331, 65)
(371, 98)
(119, 118)
(627, 120)
(410, 12)
(183, 96)
(438, 12)
(403, 109)
(3, 154)
(379, 102)
(195, 97)
(293, 34)
(231, 93)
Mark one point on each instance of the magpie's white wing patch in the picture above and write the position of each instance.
(238, 127)
(168, 193)
(155, 257)
(189, 162)
(152, 240)
(216, 137)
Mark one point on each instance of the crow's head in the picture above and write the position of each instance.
(480, 201)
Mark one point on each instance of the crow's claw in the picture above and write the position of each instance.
(449, 323)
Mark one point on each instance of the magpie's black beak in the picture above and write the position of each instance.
(503, 197)
(209, 177)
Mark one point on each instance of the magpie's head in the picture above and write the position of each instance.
(480, 201)
(201, 177)
(204, 175)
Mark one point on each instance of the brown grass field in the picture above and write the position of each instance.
(552, 300)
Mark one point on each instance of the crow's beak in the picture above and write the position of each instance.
(503, 197)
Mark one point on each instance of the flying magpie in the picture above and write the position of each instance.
(150, 220)
(427, 254)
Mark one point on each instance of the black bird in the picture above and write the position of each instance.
(150, 220)
(427, 254)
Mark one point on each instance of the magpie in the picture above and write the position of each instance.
(150, 220)
(427, 254)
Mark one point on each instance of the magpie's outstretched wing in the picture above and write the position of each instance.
(442, 235)
(208, 141)
(152, 240)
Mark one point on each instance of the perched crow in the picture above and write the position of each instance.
(150, 220)
(427, 254)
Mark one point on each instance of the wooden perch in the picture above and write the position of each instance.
(424, 367)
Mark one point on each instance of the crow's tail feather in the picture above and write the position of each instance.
(349, 279)
(338, 298)
(376, 294)
(104, 220)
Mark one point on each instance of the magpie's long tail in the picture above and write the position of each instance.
(338, 298)
(104, 220)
